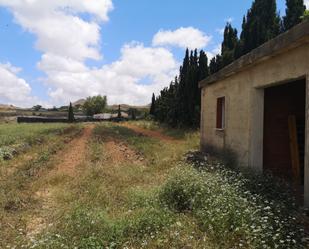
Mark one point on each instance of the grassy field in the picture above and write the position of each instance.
(129, 186)
(16, 138)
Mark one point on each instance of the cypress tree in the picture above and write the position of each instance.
(261, 24)
(179, 104)
(182, 108)
(71, 114)
(229, 45)
(202, 73)
(215, 64)
(153, 103)
(203, 70)
(119, 112)
(295, 9)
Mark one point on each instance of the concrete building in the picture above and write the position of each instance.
(258, 106)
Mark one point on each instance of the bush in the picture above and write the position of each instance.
(7, 153)
(306, 15)
(182, 190)
(94, 105)
(229, 212)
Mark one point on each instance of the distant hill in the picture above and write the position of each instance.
(125, 107)
(7, 107)
(79, 102)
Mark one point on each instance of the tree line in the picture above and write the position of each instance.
(180, 103)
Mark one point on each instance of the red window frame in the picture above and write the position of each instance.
(221, 113)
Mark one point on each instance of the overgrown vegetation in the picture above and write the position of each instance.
(164, 201)
(232, 214)
(18, 138)
(17, 177)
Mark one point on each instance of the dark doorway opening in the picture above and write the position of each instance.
(284, 130)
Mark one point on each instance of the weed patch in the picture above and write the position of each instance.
(229, 212)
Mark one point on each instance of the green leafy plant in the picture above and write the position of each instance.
(306, 15)
(95, 105)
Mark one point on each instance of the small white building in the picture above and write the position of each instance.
(102, 116)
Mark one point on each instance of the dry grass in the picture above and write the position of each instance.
(116, 197)
(18, 177)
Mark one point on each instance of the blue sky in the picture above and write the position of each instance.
(53, 51)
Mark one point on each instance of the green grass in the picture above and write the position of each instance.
(177, 133)
(18, 179)
(161, 202)
(18, 138)
(114, 206)
(27, 133)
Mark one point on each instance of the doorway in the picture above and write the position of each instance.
(284, 130)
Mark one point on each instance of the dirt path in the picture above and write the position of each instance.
(70, 158)
(75, 153)
(150, 133)
(118, 152)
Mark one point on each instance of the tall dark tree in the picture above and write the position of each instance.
(179, 104)
(71, 118)
(215, 64)
(294, 10)
(119, 112)
(182, 94)
(203, 70)
(229, 45)
(153, 105)
(239, 50)
(261, 24)
(202, 73)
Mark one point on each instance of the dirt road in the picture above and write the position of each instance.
(73, 155)
(75, 152)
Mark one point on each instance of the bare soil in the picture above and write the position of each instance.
(70, 158)
(75, 153)
(118, 152)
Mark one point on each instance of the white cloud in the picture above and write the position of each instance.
(183, 37)
(121, 81)
(307, 3)
(13, 89)
(67, 41)
(58, 27)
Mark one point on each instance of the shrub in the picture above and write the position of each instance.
(94, 105)
(182, 190)
(229, 212)
(306, 15)
(7, 153)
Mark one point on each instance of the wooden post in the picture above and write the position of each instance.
(294, 149)
(306, 169)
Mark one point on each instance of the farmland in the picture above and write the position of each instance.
(131, 186)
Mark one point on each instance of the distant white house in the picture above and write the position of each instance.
(102, 116)
(109, 116)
